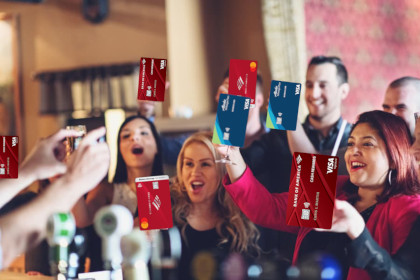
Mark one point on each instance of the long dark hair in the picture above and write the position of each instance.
(121, 169)
(395, 133)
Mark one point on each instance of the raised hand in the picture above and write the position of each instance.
(45, 159)
(90, 162)
(346, 219)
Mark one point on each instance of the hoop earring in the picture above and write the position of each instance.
(389, 176)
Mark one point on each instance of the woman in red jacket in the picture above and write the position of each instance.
(376, 218)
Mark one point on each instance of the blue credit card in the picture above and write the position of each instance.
(231, 119)
(283, 105)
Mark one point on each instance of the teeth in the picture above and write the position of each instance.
(196, 185)
(319, 102)
(357, 164)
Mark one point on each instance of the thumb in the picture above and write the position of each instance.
(63, 133)
(340, 204)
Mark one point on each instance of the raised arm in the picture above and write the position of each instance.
(26, 226)
(299, 141)
(43, 161)
(254, 200)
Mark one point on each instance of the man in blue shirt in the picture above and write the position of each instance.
(270, 158)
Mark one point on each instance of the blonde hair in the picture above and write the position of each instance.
(233, 225)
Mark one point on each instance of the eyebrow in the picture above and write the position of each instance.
(397, 105)
(143, 126)
(199, 160)
(364, 137)
(321, 81)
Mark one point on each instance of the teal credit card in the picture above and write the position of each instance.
(231, 120)
(283, 105)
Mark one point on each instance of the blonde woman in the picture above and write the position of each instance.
(206, 215)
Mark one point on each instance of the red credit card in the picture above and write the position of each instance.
(154, 202)
(313, 182)
(243, 78)
(152, 79)
(9, 156)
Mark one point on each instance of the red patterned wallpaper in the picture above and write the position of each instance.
(378, 41)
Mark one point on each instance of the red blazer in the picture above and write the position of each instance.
(389, 224)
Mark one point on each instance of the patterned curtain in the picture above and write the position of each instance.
(378, 42)
(284, 33)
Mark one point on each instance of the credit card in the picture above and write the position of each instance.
(243, 78)
(9, 157)
(231, 119)
(312, 190)
(283, 105)
(152, 78)
(154, 202)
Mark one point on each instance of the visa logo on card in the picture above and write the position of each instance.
(243, 78)
(152, 79)
(9, 156)
(231, 120)
(283, 105)
(312, 190)
(154, 202)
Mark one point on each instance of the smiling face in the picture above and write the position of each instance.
(323, 93)
(137, 144)
(366, 158)
(199, 173)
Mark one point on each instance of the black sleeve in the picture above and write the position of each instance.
(254, 155)
(365, 253)
(270, 160)
(271, 147)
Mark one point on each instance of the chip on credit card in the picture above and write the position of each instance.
(152, 79)
(9, 156)
(283, 105)
(231, 119)
(243, 78)
(154, 202)
(312, 190)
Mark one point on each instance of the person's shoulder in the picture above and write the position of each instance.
(402, 208)
(349, 125)
(406, 202)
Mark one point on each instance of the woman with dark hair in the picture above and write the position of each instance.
(376, 216)
(139, 155)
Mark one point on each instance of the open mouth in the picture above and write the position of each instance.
(137, 150)
(356, 165)
(197, 185)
